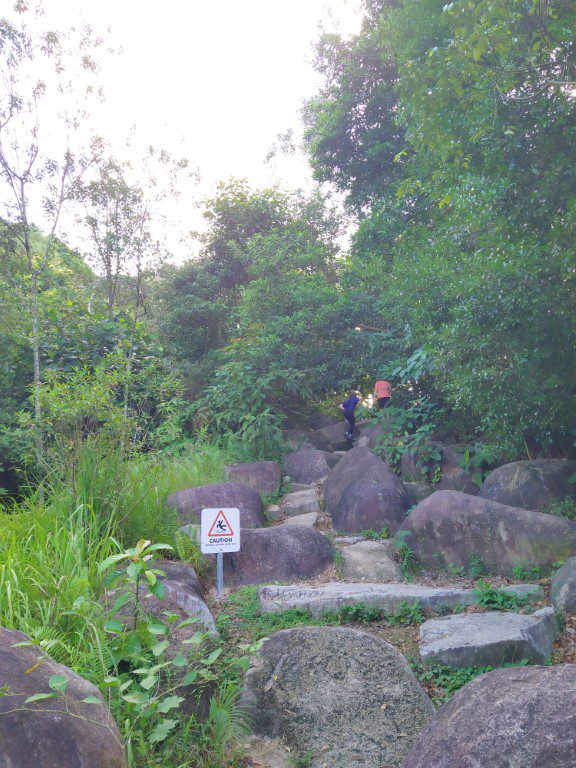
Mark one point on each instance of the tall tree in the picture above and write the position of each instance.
(37, 69)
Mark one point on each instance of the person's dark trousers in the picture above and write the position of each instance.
(383, 402)
(351, 419)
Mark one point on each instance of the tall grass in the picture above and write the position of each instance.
(50, 548)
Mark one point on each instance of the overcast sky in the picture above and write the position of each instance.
(215, 82)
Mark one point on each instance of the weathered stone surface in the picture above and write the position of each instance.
(62, 732)
(309, 520)
(274, 512)
(530, 484)
(387, 597)
(371, 561)
(263, 476)
(182, 586)
(458, 481)
(308, 465)
(340, 692)
(296, 439)
(280, 553)
(191, 502)
(494, 638)
(417, 492)
(563, 592)
(332, 438)
(294, 487)
(300, 503)
(343, 541)
(362, 492)
(522, 717)
(451, 528)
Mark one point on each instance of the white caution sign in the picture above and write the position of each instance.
(220, 530)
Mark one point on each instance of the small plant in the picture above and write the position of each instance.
(358, 613)
(497, 599)
(189, 551)
(565, 507)
(373, 535)
(302, 761)
(445, 681)
(527, 572)
(405, 552)
(339, 562)
(456, 570)
(476, 567)
(406, 615)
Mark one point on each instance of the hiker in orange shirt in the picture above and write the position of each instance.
(382, 393)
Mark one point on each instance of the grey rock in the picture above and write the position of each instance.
(190, 503)
(274, 512)
(329, 438)
(530, 484)
(62, 732)
(262, 476)
(308, 465)
(362, 492)
(300, 503)
(520, 717)
(344, 541)
(182, 586)
(494, 638)
(419, 491)
(563, 591)
(386, 597)
(294, 487)
(309, 520)
(452, 528)
(340, 692)
(371, 561)
(279, 553)
(453, 477)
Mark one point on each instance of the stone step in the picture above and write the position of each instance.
(488, 639)
(309, 520)
(386, 597)
(301, 503)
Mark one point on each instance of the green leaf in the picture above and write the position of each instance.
(212, 658)
(170, 702)
(113, 626)
(110, 561)
(179, 661)
(162, 730)
(190, 677)
(92, 700)
(139, 697)
(160, 647)
(149, 682)
(156, 628)
(58, 683)
(40, 697)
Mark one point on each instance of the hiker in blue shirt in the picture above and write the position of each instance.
(349, 406)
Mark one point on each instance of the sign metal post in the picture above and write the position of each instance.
(220, 533)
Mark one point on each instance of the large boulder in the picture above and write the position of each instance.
(342, 693)
(362, 492)
(61, 732)
(563, 592)
(264, 476)
(309, 465)
(521, 717)
(331, 438)
(280, 553)
(493, 638)
(530, 484)
(452, 528)
(190, 503)
(419, 491)
(183, 588)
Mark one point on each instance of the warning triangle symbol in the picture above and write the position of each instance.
(220, 526)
